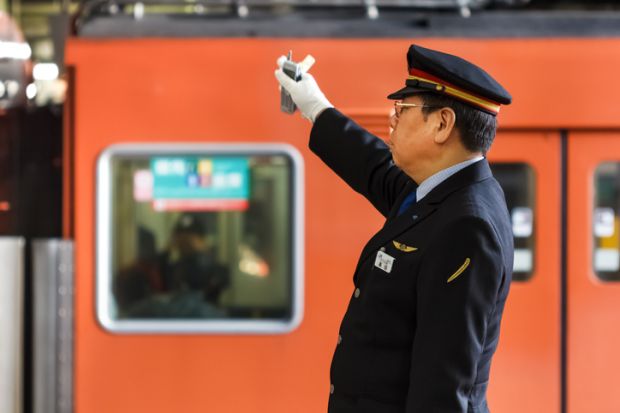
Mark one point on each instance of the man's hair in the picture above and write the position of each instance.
(477, 128)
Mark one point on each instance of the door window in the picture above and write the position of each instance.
(605, 216)
(518, 182)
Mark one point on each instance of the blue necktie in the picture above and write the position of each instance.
(409, 200)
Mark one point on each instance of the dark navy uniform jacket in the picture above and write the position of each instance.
(418, 338)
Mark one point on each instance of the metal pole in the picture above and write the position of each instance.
(53, 326)
(11, 323)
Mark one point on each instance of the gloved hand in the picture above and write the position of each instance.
(305, 93)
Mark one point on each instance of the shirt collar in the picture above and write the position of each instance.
(432, 181)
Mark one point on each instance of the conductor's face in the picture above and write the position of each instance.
(412, 137)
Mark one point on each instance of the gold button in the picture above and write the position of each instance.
(331, 389)
(339, 339)
(357, 292)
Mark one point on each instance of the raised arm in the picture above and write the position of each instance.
(361, 159)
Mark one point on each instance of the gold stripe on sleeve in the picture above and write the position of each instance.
(460, 270)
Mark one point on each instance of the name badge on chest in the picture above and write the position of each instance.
(384, 261)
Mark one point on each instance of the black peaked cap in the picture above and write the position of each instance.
(437, 72)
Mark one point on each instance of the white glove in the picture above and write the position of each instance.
(305, 93)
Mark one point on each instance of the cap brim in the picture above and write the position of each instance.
(406, 91)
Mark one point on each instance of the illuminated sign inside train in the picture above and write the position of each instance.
(195, 184)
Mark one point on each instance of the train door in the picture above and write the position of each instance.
(593, 260)
(525, 376)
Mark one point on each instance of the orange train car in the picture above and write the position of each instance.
(154, 120)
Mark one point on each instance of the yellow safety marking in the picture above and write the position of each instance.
(463, 95)
(403, 247)
(460, 270)
(612, 241)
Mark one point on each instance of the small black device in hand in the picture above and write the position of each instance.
(292, 70)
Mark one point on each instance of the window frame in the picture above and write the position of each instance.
(103, 247)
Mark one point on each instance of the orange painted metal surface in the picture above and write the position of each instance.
(593, 305)
(525, 376)
(208, 90)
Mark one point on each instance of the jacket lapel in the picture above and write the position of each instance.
(418, 212)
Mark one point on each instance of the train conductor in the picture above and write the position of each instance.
(424, 316)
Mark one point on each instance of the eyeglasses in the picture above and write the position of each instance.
(399, 106)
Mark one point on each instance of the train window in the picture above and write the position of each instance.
(519, 185)
(200, 238)
(605, 226)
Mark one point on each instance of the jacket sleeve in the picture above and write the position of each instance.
(458, 286)
(361, 159)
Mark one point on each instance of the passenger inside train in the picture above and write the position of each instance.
(184, 280)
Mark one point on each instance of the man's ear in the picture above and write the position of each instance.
(446, 119)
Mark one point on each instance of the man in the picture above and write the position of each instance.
(184, 280)
(424, 317)
(190, 264)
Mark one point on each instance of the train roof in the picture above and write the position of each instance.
(348, 22)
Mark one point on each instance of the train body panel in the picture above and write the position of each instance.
(593, 290)
(528, 357)
(223, 90)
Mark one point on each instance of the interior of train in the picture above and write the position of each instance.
(201, 237)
